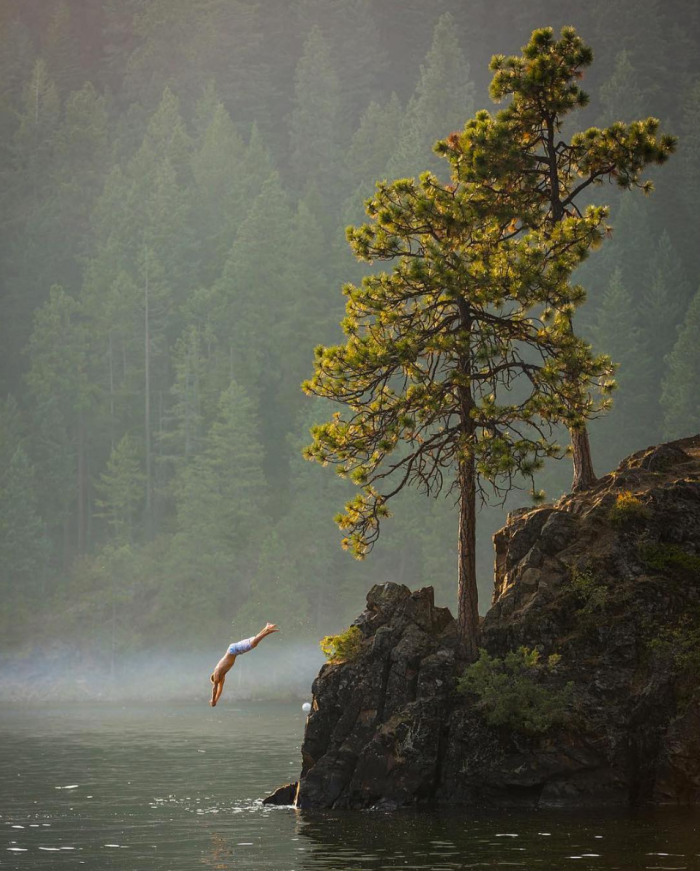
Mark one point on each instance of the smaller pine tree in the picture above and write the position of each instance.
(680, 397)
(121, 487)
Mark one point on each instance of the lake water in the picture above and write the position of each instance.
(169, 787)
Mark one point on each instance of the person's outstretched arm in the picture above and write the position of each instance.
(220, 688)
(217, 690)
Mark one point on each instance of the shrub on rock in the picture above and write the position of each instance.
(511, 693)
(342, 647)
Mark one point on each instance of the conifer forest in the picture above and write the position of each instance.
(177, 179)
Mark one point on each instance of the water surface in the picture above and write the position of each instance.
(169, 787)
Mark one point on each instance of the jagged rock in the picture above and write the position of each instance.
(389, 729)
(283, 795)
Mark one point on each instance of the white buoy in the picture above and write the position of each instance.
(306, 707)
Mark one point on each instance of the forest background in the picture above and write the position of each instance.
(177, 176)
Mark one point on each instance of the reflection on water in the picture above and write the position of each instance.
(179, 787)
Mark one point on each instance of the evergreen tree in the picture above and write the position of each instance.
(222, 491)
(219, 172)
(532, 178)
(23, 543)
(254, 298)
(59, 375)
(443, 98)
(258, 165)
(687, 181)
(362, 61)
(663, 303)
(621, 96)
(631, 247)
(373, 143)
(17, 57)
(201, 374)
(166, 138)
(220, 497)
(12, 433)
(39, 117)
(29, 258)
(315, 124)
(121, 489)
(82, 145)
(629, 425)
(637, 28)
(253, 294)
(680, 399)
(62, 51)
(433, 353)
(359, 57)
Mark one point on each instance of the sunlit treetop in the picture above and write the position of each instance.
(518, 156)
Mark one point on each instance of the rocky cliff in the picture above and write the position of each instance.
(609, 580)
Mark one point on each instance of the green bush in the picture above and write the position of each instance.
(667, 557)
(342, 647)
(511, 693)
(627, 508)
(680, 644)
(590, 592)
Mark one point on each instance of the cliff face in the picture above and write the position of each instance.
(610, 581)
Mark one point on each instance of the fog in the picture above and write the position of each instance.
(176, 183)
(274, 670)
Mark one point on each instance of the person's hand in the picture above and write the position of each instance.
(271, 627)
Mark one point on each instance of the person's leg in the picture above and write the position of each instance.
(268, 630)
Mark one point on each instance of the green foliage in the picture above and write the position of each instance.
(23, 545)
(680, 645)
(374, 142)
(511, 691)
(133, 164)
(621, 96)
(96, 608)
(342, 647)
(627, 509)
(663, 557)
(616, 331)
(443, 98)
(61, 49)
(679, 398)
(315, 123)
(122, 489)
(220, 493)
(590, 592)
(433, 347)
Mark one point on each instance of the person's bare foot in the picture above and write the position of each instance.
(212, 703)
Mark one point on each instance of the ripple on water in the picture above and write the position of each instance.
(208, 813)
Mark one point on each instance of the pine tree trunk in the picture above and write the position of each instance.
(584, 476)
(81, 485)
(467, 592)
(66, 542)
(111, 392)
(147, 404)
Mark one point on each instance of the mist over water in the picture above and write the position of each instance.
(274, 670)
